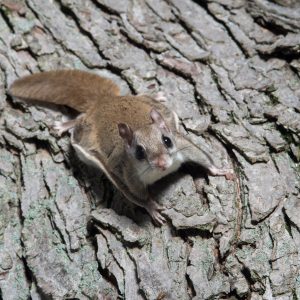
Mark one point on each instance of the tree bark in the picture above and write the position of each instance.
(231, 70)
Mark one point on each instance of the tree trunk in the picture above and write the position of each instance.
(231, 70)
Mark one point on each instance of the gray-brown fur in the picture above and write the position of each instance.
(112, 128)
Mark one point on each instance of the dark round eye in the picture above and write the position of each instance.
(140, 152)
(167, 141)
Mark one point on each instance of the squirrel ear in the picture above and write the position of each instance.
(126, 133)
(158, 119)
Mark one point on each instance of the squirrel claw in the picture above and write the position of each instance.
(230, 176)
(158, 219)
(59, 127)
(154, 210)
(161, 97)
(159, 207)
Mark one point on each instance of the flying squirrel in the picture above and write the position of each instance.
(134, 140)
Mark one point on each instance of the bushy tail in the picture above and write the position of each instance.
(74, 88)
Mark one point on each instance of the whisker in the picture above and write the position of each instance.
(140, 173)
(149, 167)
(183, 148)
(144, 171)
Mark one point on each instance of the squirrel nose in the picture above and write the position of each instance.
(160, 162)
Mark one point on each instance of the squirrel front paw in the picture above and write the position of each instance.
(228, 173)
(154, 210)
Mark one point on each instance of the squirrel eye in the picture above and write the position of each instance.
(167, 141)
(140, 152)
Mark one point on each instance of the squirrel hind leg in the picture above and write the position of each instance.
(61, 127)
(161, 97)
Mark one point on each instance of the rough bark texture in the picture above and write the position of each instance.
(231, 70)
